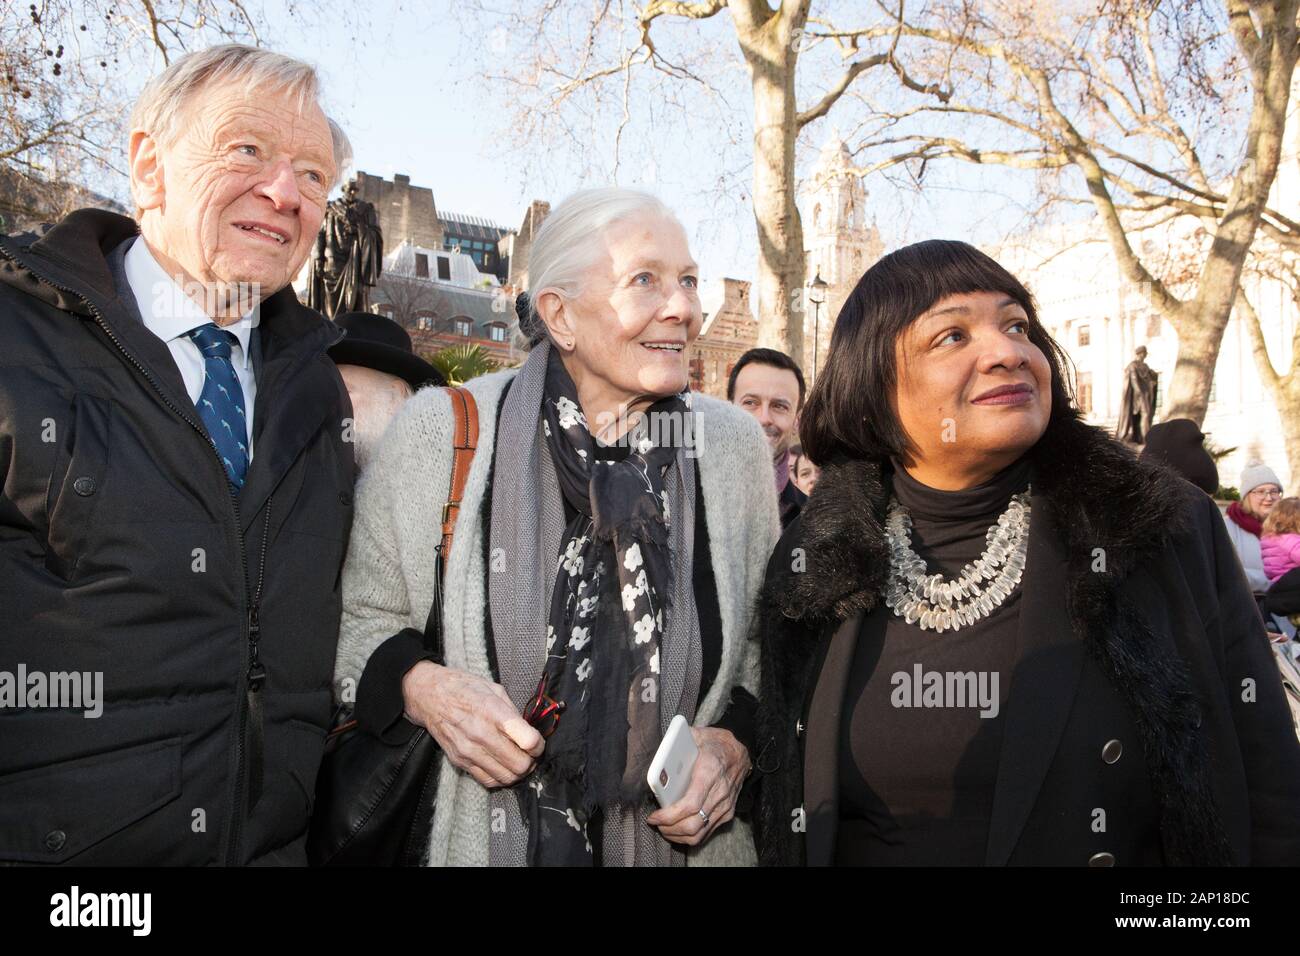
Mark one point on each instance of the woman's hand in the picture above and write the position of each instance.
(719, 771)
(473, 721)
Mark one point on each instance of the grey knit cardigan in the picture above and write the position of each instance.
(388, 575)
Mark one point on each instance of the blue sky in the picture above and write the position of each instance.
(407, 81)
(410, 92)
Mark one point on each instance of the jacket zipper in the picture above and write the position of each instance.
(252, 629)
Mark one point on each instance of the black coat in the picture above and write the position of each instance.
(124, 551)
(1154, 648)
(1283, 596)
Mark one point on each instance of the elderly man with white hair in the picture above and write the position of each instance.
(176, 489)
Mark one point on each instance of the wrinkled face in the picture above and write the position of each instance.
(240, 195)
(1261, 500)
(973, 393)
(625, 337)
(771, 395)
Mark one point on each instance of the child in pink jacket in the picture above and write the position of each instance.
(1279, 539)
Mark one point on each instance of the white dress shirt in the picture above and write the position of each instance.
(170, 314)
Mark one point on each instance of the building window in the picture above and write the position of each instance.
(424, 319)
(1154, 324)
(497, 333)
(1084, 395)
(1085, 335)
(421, 266)
(464, 327)
(444, 268)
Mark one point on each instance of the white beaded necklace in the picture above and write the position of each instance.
(933, 604)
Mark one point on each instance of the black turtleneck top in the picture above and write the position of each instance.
(916, 782)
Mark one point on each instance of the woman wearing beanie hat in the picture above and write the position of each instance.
(1260, 491)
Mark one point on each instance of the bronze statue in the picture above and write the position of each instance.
(348, 257)
(1137, 407)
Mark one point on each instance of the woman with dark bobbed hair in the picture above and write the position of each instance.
(994, 636)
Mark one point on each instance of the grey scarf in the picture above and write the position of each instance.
(528, 523)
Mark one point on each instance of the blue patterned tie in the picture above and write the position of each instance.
(221, 403)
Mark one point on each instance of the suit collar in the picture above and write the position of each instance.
(164, 307)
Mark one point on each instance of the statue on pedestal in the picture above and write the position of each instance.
(1137, 407)
(348, 257)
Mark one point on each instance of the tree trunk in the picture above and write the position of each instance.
(1286, 394)
(1284, 389)
(1201, 322)
(771, 53)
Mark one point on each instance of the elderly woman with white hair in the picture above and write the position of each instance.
(601, 566)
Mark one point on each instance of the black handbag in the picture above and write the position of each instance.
(375, 799)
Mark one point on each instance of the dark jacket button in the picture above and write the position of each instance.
(84, 486)
(55, 839)
(1112, 751)
(1101, 859)
(345, 498)
(798, 728)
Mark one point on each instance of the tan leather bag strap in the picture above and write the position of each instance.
(464, 445)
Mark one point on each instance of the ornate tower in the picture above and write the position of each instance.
(840, 242)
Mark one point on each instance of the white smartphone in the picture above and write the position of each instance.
(670, 771)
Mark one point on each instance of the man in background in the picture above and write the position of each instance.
(769, 385)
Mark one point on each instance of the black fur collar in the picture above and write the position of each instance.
(1100, 495)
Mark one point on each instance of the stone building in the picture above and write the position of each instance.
(442, 299)
(729, 330)
(479, 239)
(517, 246)
(840, 243)
(443, 271)
(406, 212)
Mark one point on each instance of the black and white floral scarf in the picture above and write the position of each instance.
(598, 697)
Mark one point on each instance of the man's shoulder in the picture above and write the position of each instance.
(67, 262)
